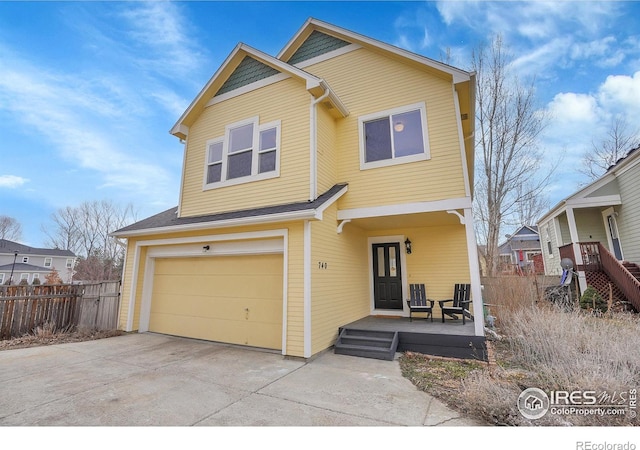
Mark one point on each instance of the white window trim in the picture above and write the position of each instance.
(255, 176)
(50, 262)
(69, 263)
(421, 106)
(25, 259)
(36, 276)
(24, 276)
(1, 278)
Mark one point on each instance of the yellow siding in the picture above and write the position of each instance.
(287, 101)
(295, 291)
(367, 83)
(439, 258)
(339, 292)
(327, 152)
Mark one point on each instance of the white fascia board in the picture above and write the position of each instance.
(330, 202)
(589, 202)
(627, 163)
(306, 214)
(334, 99)
(405, 208)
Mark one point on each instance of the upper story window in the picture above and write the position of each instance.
(247, 152)
(394, 136)
(69, 263)
(47, 262)
(25, 259)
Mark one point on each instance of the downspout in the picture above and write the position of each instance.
(313, 145)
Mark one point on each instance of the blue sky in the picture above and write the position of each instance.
(89, 90)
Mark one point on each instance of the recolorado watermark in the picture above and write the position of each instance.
(534, 403)
(588, 445)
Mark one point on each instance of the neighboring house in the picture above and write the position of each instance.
(598, 228)
(518, 253)
(30, 263)
(316, 186)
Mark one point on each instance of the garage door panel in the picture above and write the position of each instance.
(202, 328)
(203, 306)
(236, 299)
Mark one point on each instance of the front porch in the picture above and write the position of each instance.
(596, 266)
(449, 339)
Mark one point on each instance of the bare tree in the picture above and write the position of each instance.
(618, 140)
(507, 127)
(65, 232)
(10, 229)
(85, 231)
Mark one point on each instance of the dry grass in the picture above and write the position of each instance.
(47, 334)
(546, 348)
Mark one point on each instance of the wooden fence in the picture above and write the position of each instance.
(65, 306)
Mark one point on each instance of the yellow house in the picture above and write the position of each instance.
(306, 176)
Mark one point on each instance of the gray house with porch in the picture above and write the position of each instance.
(598, 228)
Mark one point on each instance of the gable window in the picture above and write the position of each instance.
(247, 152)
(25, 259)
(47, 262)
(394, 136)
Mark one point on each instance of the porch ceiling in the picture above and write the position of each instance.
(416, 220)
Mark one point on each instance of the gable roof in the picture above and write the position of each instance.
(9, 247)
(169, 221)
(23, 267)
(593, 194)
(311, 26)
(256, 67)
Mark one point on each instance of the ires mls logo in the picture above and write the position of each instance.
(533, 403)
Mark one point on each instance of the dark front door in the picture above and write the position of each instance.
(387, 276)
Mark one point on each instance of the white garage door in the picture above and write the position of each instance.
(234, 299)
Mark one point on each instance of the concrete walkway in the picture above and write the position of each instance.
(155, 380)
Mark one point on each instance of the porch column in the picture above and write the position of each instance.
(474, 271)
(575, 241)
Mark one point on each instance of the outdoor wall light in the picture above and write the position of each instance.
(407, 246)
(205, 248)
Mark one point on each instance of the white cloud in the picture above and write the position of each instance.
(159, 28)
(572, 108)
(84, 127)
(12, 181)
(621, 93)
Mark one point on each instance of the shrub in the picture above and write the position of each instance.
(591, 300)
(36, 282)
(23, 282)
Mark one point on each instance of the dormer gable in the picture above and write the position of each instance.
(316, 45)
(246, 69)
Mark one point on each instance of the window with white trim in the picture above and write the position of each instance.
(69, 263)
(36, 276)
(25, 259)
(1, 278)
(47, 262)
(24, 276)
(394, 136)
(247, 152)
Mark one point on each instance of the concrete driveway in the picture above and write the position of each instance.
(149, 379)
